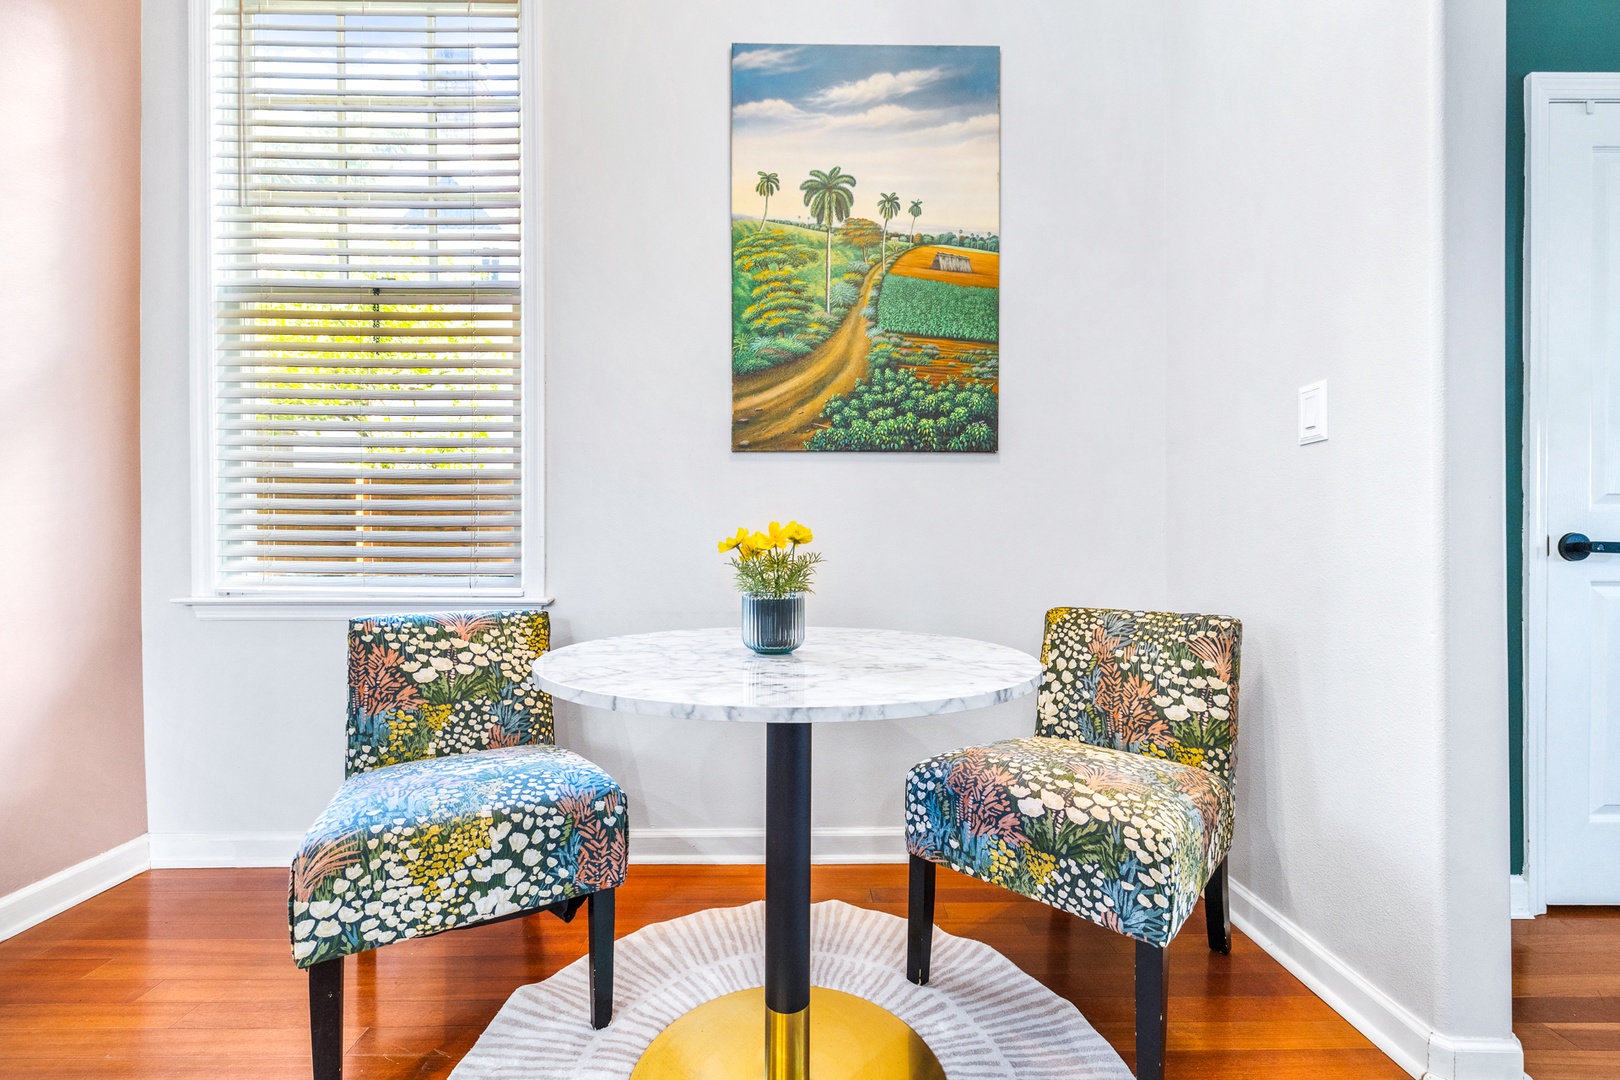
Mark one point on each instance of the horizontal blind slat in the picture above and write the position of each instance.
(272, 474)
(376, 535)
(492, 518)
(363, 572)
(383, 488)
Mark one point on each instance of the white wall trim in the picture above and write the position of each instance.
(1392, 1027)
(173, 851)
(1464, 1058)
(827, 845)
(1541, 90)
(200, 291)
(1519, 905)
(33, 904)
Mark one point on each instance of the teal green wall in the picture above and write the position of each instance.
(1542, 35)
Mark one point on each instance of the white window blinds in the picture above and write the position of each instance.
(367, 361)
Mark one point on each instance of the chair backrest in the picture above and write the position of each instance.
(1149, 682)
(424, 686)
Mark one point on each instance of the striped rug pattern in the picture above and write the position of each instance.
(982, 1017)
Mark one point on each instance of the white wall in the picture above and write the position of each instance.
(1335, 192)
(244, 719)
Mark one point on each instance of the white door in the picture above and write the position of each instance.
(1575, 367)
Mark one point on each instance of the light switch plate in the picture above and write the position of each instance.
(1313, 413)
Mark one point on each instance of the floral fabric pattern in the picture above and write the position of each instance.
(1120, 808)
(425, 846)
(1147, 682)
(1125, 840)
(422, 686)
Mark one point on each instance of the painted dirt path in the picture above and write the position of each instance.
(777, 409)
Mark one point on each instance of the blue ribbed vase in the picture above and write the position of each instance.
(773, 626)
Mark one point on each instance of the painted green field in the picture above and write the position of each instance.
(923, 300)
(938, 309)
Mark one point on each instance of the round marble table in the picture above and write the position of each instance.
(836, 675)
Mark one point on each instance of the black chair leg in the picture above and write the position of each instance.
(1218, 911)
(1152, 1009)
(599, 929)
(919, 920)
(326, 1018)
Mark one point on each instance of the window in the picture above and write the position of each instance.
(366, 281)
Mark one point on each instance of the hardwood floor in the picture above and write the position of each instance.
(186, 973)
(1566, 993)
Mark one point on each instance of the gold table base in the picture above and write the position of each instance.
(850, 1039)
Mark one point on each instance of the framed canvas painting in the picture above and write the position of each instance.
(865, 248)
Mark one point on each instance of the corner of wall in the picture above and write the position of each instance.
(33, 904)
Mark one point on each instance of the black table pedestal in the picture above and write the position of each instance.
(787, 901)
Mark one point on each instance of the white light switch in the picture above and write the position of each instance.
(1313, 401)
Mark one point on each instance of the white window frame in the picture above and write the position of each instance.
(208, 599)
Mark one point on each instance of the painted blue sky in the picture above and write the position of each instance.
(920, 121)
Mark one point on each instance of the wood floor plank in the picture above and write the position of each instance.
(1571, 1065)
(1589, 1036)
(1566, 993)
(188, 974)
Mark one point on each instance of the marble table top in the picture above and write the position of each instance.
(837, 674)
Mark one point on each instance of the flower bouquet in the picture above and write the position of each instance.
(773, 576)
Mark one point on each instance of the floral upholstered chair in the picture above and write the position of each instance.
(1119, 810)
(457, 810)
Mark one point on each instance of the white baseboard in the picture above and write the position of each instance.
(827, 845)
(1521, 898)
(1460, 1058)
(172, 851)
(1393, 1028)
(33, 904)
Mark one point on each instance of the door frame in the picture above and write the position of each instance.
(1541, 91)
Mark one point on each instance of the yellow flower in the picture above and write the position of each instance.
(1003, 861)
(798, 534)
(443, 849)
(1187, 755)
(778, 536)
(756, 544)
(735, 541)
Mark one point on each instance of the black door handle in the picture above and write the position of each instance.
(1575, 547)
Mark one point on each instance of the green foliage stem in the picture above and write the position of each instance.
(777, 574)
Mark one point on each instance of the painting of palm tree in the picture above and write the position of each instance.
(888, 207)
(830, 200)
(847, 334)
(769, 184)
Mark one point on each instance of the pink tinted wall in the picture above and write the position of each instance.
(72, 771)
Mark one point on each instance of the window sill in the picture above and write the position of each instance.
(290, 608)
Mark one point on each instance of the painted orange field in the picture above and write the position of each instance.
(955, 361)
(918, 261)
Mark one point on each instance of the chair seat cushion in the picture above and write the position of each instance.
(1124, 840)
(426, 846)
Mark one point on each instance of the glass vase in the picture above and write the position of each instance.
(773, 625)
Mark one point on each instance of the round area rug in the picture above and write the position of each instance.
(983, 1018)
